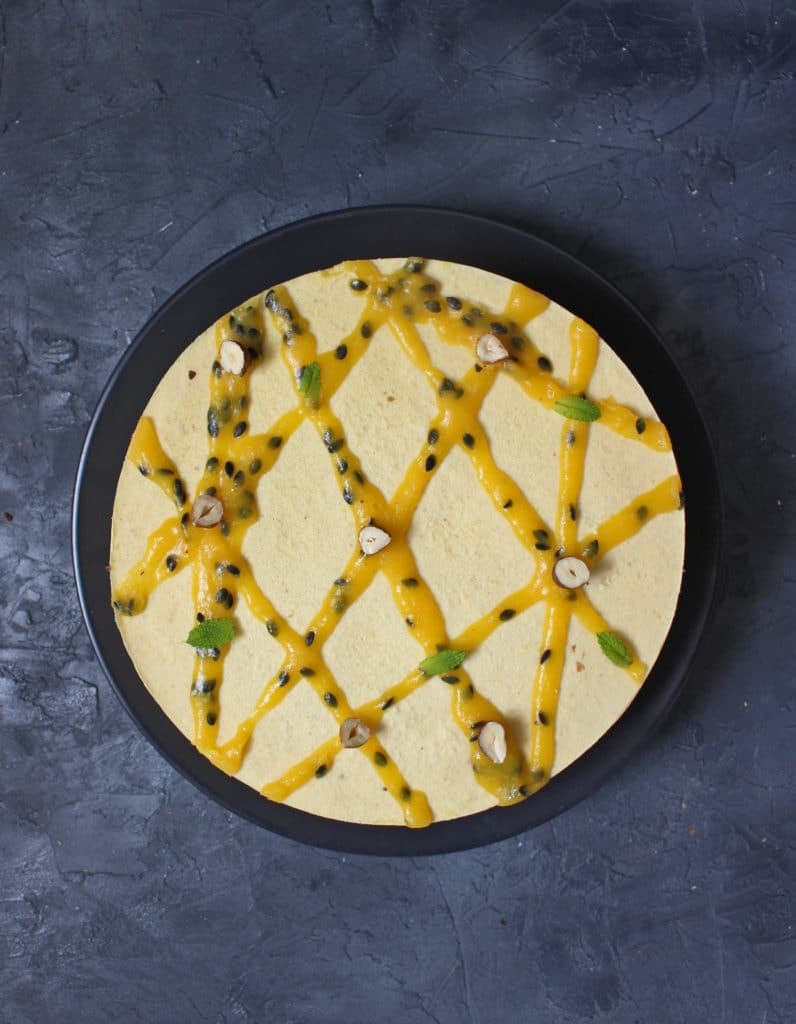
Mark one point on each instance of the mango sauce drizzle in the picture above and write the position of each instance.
(237, 460)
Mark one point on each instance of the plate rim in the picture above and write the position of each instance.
(704, 528)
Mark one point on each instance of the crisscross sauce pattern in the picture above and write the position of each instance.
(237, 459)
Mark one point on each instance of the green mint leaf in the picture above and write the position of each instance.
(442, 661)
(212, 633)
(310, 383)
(576, 408)
(615, 649)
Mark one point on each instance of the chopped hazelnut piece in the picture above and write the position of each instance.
(354, 732)
(373, 539)
(207, 511)
(571, 573)
(492, 740)
(490, 349)
(233, 357)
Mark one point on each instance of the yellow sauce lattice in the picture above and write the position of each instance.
(237, 460)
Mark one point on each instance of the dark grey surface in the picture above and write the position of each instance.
(137, 142)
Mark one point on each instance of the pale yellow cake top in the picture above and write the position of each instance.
(481, 476)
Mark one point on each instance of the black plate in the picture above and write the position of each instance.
(369, 233)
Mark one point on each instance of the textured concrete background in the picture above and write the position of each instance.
(140, 140)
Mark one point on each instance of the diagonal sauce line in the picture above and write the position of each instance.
(594, 623)
(506, 495)
(147, 453)
(473, 388)
(626, 523)
(622, 420)
(151, 569)
(283, 427)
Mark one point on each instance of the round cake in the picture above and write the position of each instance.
(396, 541)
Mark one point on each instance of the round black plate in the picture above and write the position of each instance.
(369, 233)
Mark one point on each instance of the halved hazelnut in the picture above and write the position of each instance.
(207, 511)
(492, 740)
(233, 357)
(373, 539)
(571, 573)
(354, 732)
(490, 349)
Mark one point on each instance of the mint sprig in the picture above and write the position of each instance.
(575, 407)
(310, 383)
(212, 633)
(614, 649)
(442, 661)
